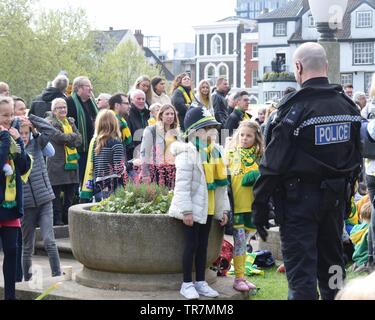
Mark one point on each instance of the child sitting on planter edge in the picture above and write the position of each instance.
(200, 195)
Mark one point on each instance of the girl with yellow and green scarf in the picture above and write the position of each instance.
(11, 192)
(200, 196)
(243, 156)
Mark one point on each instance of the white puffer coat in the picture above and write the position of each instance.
(191, 193)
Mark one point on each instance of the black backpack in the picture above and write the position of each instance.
(264, 259)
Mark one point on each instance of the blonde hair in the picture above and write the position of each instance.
(372, 87)
(106, 128)
(176, 122)
(199, 94)
(154, 106)
(258, 137)
(139, 81)
(365, 212)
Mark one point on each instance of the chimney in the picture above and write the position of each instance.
(139, 36)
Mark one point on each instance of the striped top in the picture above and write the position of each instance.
(110, 162)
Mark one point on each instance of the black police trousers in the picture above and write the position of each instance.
(311, 237)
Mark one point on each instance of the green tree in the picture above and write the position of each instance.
(36, 47)
(121, 67)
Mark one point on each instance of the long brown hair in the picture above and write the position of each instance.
(176, 122)
(178, 81)
(106, 128)
(137, 83)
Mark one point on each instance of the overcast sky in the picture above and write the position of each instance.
(170, 19)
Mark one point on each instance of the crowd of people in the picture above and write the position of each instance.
(206, 145)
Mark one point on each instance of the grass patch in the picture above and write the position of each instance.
(274, 285)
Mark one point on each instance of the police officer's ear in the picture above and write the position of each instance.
(299, 67)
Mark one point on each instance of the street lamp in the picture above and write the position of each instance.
(328, 16)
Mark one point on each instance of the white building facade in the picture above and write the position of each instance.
(284, 29)
(218, 50)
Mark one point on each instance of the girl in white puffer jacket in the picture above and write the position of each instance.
(200, 195)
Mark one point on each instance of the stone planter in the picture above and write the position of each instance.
(132, 252)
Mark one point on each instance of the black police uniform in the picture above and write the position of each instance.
(309, 168)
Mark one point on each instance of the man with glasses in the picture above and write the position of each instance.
(82, 107)
(102, 101)
(239, 114)
(137, 120)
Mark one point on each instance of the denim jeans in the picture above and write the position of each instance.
(371, 230)
(44, 217)
(9, 239)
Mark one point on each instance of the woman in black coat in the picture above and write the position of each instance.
(183, 96)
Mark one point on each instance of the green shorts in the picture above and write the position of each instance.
(243, 220)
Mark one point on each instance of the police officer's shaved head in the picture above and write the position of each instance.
(310, 61)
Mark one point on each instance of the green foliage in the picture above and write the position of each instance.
(121, 67)
(278, 76)
(36, 45)
(139, 199)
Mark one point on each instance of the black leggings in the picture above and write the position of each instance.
(196, 243)
(10, 243)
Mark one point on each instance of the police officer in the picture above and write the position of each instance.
(309, 168)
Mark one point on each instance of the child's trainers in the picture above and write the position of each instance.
(240, 285)
(205, 290)
(188, 291)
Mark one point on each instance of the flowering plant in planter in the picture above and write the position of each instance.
(137, 199)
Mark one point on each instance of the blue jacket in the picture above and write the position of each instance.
(22, 164)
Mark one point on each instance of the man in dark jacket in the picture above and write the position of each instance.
(219, 101)
(309, 168)
(82, 108)
(137, 120)
(42, 103)
(239, 114)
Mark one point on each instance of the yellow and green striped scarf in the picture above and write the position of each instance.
(188, 99)
(87, 190)
(71, 154)
(213, 164)
(126, 135)
(11, 181)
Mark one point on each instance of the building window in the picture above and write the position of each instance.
(311, 21)
(279, 29)
(346, 78)
(273, 95)
(210, 74)
(364, 19)
(223, 71)
(255, 52)
(255, 78)
(368, 78)
(363, 53)
(216, 46)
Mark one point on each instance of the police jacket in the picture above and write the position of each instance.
(315, 137)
